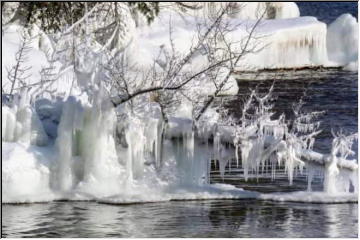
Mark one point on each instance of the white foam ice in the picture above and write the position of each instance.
(311, 197)
(214, 191)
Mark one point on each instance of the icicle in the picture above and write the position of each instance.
(65, 146)
(310, 176)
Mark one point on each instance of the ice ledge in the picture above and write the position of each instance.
(311, 197)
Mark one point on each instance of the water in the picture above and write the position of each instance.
(331, 90)
(327, 11)
(225, 218)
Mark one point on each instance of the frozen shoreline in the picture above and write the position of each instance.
(71, 144)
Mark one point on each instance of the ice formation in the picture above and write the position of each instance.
(141, 158)
(75, 145)
(274, 142)
(26, 173)
(284, 43)
(275, 42)
(342, 41)
(20, 123)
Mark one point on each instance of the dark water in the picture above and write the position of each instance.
(330, 90)
(327, 11)
(225, 218)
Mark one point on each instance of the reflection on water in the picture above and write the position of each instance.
(213, 218)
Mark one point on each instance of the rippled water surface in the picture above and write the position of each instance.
(225, 218)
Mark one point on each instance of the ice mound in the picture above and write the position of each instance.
(283, 43)
(26, 173)
(275, 10)
(342, 41)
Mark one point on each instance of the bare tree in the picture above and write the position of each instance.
(211, 39)
(18, 74)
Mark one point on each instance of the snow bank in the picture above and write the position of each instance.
(152, 43)
(342, 41)
(243, 10)
(281, 43)
(285, 9)
(275, 10)
(284, 39)
(38, 59)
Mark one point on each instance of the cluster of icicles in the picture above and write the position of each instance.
(94, 148)
(265, 142)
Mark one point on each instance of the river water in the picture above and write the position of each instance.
(225, 218)
(333, 91)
